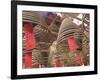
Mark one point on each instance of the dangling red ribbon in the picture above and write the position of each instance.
(58, 62)
(28, 60)
(36, 65)
(79, 60)
(29, 34)
(72, 44)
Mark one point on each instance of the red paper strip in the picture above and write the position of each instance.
(58, 62)
(37, 65)
(29, 34)
(79, 60)
(72, 44)
(28, 60)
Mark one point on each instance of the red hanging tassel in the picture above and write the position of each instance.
(29, 34)
(28, 60)
(58, 62)
(72, 44)
(79, 60)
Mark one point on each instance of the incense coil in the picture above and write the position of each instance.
(67, 28)
(34, 17)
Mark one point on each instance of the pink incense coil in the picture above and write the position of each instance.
(72, 44)
(28, 60)
(29, 35)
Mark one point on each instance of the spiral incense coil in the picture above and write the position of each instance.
(29, 16)
(67, 28)
(33, 17)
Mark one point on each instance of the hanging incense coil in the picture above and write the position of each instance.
(29, 16)
(34, 17)
(37, 18)
(68, 29)
(42, 34)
